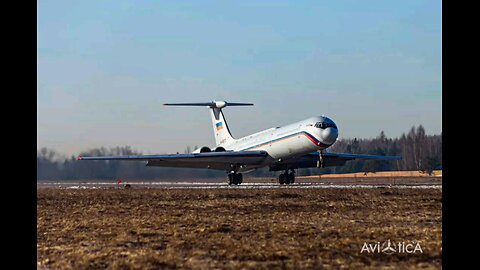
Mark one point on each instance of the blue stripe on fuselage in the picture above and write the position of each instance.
(310, 136)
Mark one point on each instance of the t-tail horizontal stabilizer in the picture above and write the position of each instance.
(223, 137)
(212, 104)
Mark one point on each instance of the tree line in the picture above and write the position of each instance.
(419, 151)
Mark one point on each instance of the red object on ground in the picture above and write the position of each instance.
(119, 181)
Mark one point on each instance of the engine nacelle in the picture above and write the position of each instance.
(205, 150)
(220, 149)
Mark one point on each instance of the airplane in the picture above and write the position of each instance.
(298, 145)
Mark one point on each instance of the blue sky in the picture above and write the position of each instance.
(105, 68)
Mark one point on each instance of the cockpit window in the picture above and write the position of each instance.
(324, 125)
(321, 125)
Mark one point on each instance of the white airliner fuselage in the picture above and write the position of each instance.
(281, 143)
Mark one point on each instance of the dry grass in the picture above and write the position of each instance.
(235, 228)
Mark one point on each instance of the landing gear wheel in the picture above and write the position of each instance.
(287, 178)
(235, 178)
(240, 178)
(230, 179)
(281, 179)
(290, 178)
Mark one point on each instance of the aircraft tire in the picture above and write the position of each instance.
(231, 179)
(288, 178)
(281, 179)
(291, 178)
(235, 178)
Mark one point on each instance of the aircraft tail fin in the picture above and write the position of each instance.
(220, 127)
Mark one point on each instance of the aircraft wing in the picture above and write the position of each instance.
(312, 160)
(208, 160)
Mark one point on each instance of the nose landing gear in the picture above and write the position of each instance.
(287, 177)
(321, 160)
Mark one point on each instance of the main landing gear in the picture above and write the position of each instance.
(235, 178)
(287, 177)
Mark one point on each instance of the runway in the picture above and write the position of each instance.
(212, 185)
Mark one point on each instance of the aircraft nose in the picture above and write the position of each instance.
(328, 135)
